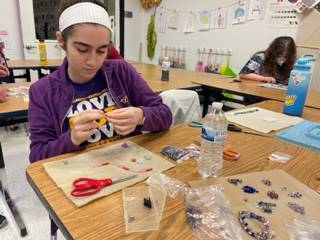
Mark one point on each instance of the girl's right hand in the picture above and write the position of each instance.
(3, 94)
(269, 80)
(84, 124)
(4, 71)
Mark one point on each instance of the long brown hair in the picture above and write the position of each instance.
(281, 46)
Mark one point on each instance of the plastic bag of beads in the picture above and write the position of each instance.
(209, 215)
(175, 153)
(304, 229)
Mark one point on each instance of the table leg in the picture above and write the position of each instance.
(4, 190)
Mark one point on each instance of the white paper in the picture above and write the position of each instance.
(239, 14)
(262, 120)
(162, 21)
(189, 23)
(173, 19)
(255, 10)
(218, 19)
(204, 21)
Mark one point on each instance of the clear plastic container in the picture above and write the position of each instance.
(213, 136)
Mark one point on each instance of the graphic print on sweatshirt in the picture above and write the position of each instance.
(101, 101)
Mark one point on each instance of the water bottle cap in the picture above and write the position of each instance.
(303, 63)
(217, 105)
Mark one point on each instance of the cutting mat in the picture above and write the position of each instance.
(282, 214)
(93, 164)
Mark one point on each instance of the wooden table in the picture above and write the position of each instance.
(103, 218)
(251, 89)
(179, 78)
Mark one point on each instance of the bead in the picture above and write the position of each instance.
(266, 182)
(295, 195)
(296, 207)
(284, 189)
(248, 189)
(147, 202)
(272, 194)
(131, 218)
(265, 232)
(234, 181)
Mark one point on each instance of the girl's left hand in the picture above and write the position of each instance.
(125, 120)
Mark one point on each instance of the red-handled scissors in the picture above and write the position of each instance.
(88, 186)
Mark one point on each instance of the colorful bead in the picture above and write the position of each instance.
(266, 207)
(234, 181)
(265, 232)
(296, 207)
(295, 195)
(266, 182)
(248, 189)
(272, 194)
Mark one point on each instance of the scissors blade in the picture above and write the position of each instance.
(123, 179)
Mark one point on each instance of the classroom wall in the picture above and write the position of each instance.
(133, 29)
(243, 39)
(10, 21)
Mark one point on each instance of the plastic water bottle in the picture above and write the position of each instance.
(297, 87)
(165, 66)
(42, 52)
(213, 136)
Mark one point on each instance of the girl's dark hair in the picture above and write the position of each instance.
(68, 3)
(281, 46)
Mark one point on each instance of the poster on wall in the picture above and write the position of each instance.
(204, 21)
(239, 13)
(189, 25)
(255, 10)
(162, 21)
(173, 19)
(282, 13)
(218, 19)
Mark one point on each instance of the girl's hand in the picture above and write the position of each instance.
(4, 71)
(3, 93)
(83, 125)
(269, 80)
(125, 120)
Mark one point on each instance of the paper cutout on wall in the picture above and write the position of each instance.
(173, 19)
(204, 21)
(189, 23)
(162, 21)
(4, 38)
(255, 10)
(239, 14)
(283, 3)
(219, 19)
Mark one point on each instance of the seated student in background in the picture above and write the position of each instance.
(272, 65)
(4, 72)
(88, 100)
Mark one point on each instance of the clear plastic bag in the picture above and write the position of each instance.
(300, 229)
(209, 215)
(207, 209)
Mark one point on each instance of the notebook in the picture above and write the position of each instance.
(306, 133)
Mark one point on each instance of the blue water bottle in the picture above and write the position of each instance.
(297, 87)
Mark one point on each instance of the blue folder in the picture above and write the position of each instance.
(306, 133)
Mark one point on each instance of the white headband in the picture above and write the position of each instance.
(84, 12)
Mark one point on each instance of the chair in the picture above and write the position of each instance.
(184, 105)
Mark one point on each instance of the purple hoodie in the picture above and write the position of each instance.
(51, 97)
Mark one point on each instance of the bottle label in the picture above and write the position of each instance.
(210, 136)
(165, 65)
(297, 78)
(290, 100)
